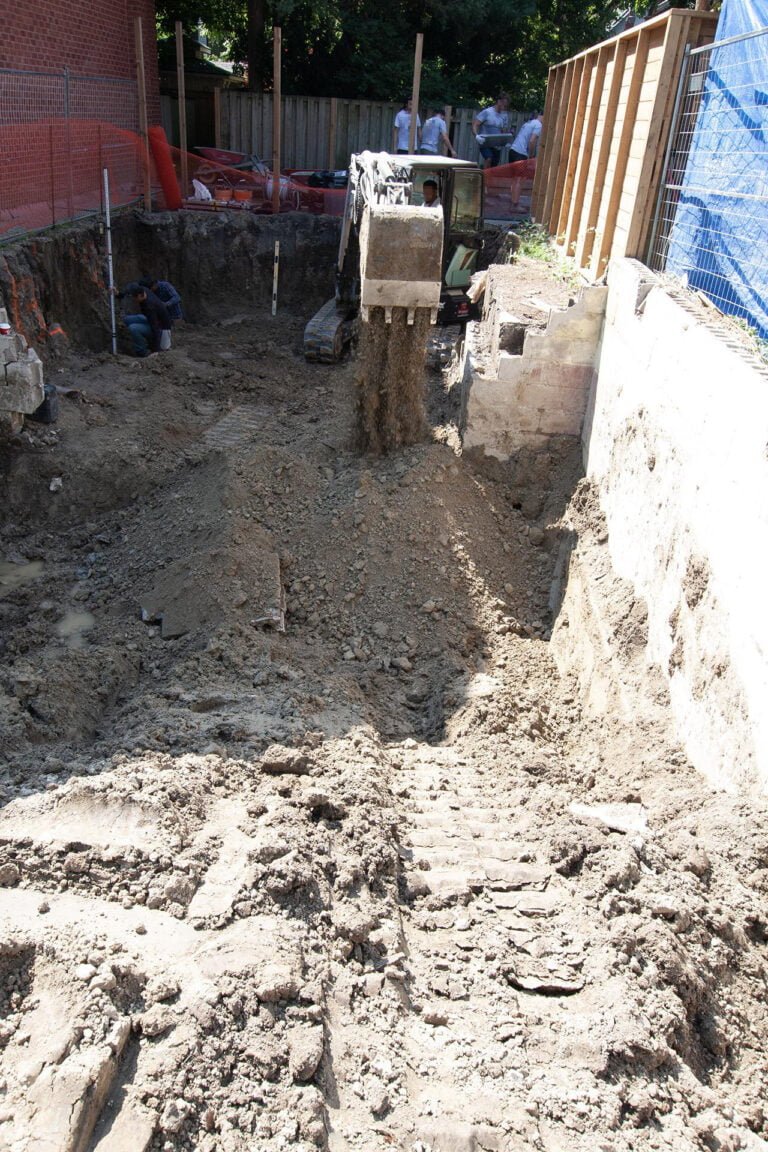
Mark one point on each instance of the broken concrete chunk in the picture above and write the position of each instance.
(174, 1116)
(617, 817)
(156, 1020)
(277, 982)
(548, 985)
(353, 923)
(509, 875)
(9, 876)
(9, 349)
(279, 760)
(435, 1015)
(305, 1052)
(21, 383)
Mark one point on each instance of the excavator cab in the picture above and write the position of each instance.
(396, 253)
(460, 190)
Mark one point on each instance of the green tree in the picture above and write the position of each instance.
(356, 48)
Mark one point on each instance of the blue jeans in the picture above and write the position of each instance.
(141, 333)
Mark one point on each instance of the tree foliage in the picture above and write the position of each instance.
(355, 48)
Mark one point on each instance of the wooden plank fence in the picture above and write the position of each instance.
(607, 118)
(323, 132)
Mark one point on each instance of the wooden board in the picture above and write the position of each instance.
(605, 246)
(597, 83)
(576, 147)
(594, 198)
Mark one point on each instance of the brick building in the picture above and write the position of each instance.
(69, 107)
(90, 37)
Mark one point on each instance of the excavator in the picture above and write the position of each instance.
(398, 253)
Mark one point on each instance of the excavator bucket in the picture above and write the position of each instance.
(401, 252)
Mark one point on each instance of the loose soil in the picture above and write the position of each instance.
(372, 881)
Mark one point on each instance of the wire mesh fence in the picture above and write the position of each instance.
(711, 220)
(58, 131)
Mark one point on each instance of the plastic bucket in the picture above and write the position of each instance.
(222, 194)
(243, 195)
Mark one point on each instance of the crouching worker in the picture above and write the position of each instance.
(149, 324)
(166, 292)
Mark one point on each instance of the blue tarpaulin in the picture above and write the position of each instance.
(719, 239)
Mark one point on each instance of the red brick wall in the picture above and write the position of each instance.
(93, 38)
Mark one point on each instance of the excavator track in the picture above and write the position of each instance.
(327, 333)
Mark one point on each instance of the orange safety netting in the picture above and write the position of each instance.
(508, 190)
(245, 183)
(52, 171)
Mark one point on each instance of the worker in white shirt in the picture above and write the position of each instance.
(401, 135)
(434, 134)
(492, 121)
(525, 145)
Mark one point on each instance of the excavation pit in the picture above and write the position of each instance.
(338, 885)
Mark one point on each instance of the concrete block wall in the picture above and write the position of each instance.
(21, 378)
(518, 398)
(676, 455)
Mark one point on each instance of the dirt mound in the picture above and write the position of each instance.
(372, 882)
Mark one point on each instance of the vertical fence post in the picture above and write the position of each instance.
(143, 122)
(447, 113)
(68, 129)
(217, 117)
(415, 91)
(182, 107)
(110, 268)
(332, 133)
(276, 100)
(53, 174)
(275, 273)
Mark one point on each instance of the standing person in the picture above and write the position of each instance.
(490, 122)
(526, 144)
(166, 292)
(435, 133)
(402, 130)
(150, 325)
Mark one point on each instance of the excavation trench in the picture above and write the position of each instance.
(374, 880)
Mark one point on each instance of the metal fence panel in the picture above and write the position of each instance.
(57, 133)
(711, 220)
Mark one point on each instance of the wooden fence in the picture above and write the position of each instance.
(322, 132)
(606, 122)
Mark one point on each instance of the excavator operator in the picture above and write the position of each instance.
(431, 194)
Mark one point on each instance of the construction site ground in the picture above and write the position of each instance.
(372, 882)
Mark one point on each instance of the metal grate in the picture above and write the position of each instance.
(711, 220)
(58, 131)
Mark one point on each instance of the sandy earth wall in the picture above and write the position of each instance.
(673, 583)
(54, 285)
